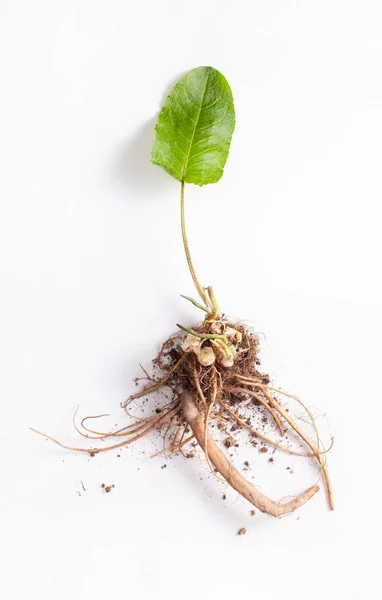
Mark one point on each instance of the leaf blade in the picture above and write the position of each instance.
(195, 126)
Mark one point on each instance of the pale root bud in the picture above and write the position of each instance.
(206, 356)
(224, 358)
(232, 335)
(191, 344)
(217, 327)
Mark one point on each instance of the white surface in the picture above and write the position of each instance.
(92, 268)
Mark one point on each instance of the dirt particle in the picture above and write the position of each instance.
(263, 449)
(164, 466)
(92, 454)
(252, 513)
(229, 441)
(242, 531)
(271, 459)
(107, 488)
(224, 497)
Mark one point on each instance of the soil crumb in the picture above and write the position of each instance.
(242, 531)
(107, 488)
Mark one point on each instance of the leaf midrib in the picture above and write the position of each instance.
(195, 126)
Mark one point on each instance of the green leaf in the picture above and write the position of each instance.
(195, 126)
(195, 303)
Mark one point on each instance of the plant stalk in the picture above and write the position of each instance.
(199, 288)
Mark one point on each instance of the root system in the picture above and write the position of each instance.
(215, 392)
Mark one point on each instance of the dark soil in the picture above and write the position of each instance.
(246, 365)
(177, 371)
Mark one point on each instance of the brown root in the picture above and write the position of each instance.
(257, 433)
(240, 390)
(266, 388)
(198, 388)
(158, 384)
(315, 449)
(233, 477)
(204, 393)
(154, 425)
(207, 418)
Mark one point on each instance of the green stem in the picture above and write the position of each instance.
(215, 337)
(224, 346)
(206, 336)
(197, 304)
(187, 250)
(214, 305)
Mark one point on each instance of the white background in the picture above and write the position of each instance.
(92, 268)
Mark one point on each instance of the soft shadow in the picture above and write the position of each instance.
(133, 163)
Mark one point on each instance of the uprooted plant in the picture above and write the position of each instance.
(212, 368)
